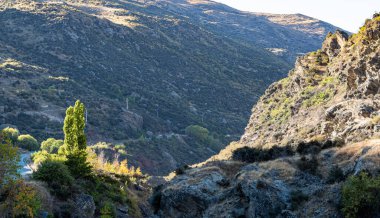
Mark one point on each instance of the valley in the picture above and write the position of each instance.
(176, 63)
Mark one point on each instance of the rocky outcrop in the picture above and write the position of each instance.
(326, 113)
(332, 93)
(334, 42)
(267, 189)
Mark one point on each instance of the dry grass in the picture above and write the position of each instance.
(368, 149)
(229, 168)
(115, 15)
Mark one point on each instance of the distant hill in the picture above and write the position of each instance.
(286, 35)
(176, 63)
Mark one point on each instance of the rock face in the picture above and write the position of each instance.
(326, 111)
(84, 206)
(332, 93)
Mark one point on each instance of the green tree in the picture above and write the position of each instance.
(27, 142)
(9, 159)
(11, 134)
(51, 145)
(75, 141)
(75, 138)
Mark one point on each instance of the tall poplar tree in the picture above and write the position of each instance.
(75, 140)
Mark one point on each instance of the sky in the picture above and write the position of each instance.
(346, 14)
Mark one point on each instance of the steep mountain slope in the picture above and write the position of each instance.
(306, 134)
(145, 70)
(287, 36)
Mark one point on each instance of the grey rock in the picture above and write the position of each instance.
(84, 205)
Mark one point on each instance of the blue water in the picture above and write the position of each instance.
(24, 163)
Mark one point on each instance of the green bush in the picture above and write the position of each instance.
(108, 210)
(197, 132)
(57, 176)
(361, 196)
(27, 142)
(51, 145)
(41, 156)
(11, 134)
(105, 188)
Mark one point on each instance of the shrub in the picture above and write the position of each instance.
(297, 198)
(251, 155)
(27, 142)
(105, 188)
(247, 154)
(315, 146)
(318, 98)
(51, 145)
(108, 210)
(11, 134)
(57, 176)
(312, 147)
(361, 196)
(335, 175)
(21, 201)
(41, 156)
(181, 170)
(197, 132)
(119, 147)
(276, 151)
(122, 152)
(101, 145)
(309, 165)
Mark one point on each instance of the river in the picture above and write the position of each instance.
(25, 163)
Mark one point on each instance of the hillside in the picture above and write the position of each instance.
(285, 35)
(310, 149)
(173, 68)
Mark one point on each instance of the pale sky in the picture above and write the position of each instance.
(346, 14)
